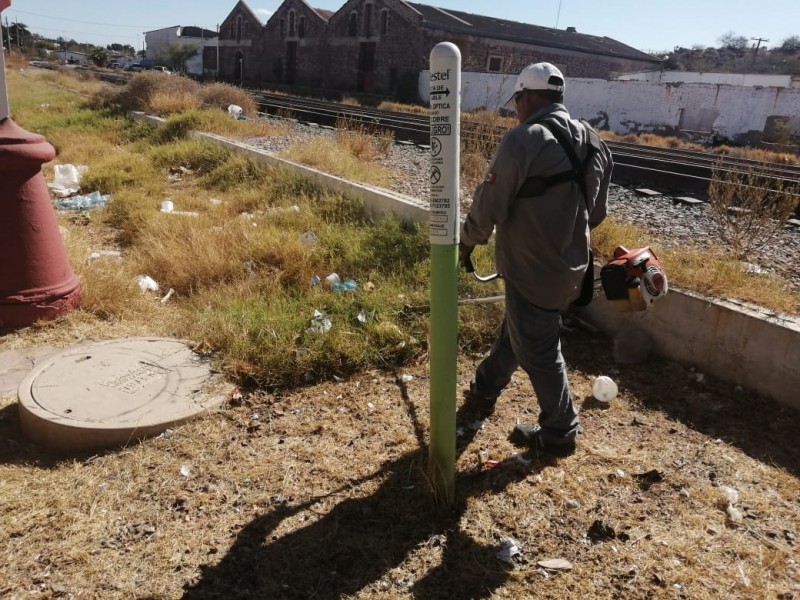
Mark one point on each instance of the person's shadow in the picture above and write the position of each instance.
(361, 540)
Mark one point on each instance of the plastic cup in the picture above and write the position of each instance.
(604, 389)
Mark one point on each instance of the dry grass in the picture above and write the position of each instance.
(651, 139)
(343, 155)
(321, 492)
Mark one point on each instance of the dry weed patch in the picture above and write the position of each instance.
(320, 492)
(312, 485)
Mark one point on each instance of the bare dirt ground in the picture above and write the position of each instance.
(321, 493)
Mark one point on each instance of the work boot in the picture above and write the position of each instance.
(531, 437)
(479, 403)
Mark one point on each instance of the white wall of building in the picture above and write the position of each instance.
(742, 79)
(730, 111)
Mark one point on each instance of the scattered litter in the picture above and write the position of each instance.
(147, 283)
(105, 254)
(167, 206)
(249, 266)
(247, 216)
(185, 213)
(684, 493)
(729, 495)
(309, 238)
(315, 280)
(573, 504)
(215, 201)
(347, 286)
(752, 269)
(283, 209)
(234, 111)
(68, 177)
(369, 286)
(320, 323)
(491, 464)
(510, 552)
(84, 201)
(167, 296)
(363, 316)
(555, 564)
(405, 378)
(185, 471)
(332, 279)
(604, 389)
(734, 514)
(370, 406)
(476, 425)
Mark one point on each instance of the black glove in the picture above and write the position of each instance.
(464, 253)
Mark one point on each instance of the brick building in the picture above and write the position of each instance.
(380, 46)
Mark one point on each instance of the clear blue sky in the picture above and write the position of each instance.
(649, 25)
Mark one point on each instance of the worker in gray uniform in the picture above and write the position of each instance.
(546, 188)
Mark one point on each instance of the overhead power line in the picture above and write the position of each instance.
(22, 12)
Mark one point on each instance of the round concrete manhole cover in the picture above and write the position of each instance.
(115, 392)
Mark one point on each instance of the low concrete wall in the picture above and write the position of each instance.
(742, 344)
(377, 201)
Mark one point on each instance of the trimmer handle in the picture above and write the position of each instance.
(470, 268)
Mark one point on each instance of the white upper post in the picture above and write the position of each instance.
(3, 91)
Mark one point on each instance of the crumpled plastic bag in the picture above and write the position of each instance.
(82, 202)
(66, 179)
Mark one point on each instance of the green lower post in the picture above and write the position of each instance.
(443, 361)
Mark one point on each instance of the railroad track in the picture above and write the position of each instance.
(686, 171)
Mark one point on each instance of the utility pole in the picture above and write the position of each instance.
(217, 65)
(758, 45)
(558, 16)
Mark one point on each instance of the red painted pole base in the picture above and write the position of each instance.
(36, 280)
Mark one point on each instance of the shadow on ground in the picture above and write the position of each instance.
(336, 555)
(762, 428)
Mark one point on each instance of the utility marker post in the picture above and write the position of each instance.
(445, 101)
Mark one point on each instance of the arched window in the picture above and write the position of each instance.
(283, 28)
(301, 27)
(384, 28)
(352, 29)
(239, 28)
(368, 20)
(291, 23)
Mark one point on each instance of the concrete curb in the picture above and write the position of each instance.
(739, 343)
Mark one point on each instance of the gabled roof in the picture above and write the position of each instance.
(247, 9)
(325, 14)
(456, 21)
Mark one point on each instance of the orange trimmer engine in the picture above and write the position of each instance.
(633, 279)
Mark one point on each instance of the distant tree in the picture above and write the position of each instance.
(17, 34)
(732, 41)
(174, 56)
(100, 56)
(121, 48)
(791, 44)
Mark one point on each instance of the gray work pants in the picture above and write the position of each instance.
(530, 338)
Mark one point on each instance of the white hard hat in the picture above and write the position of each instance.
(539, 76)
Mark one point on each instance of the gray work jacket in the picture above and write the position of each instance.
(542, 246)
